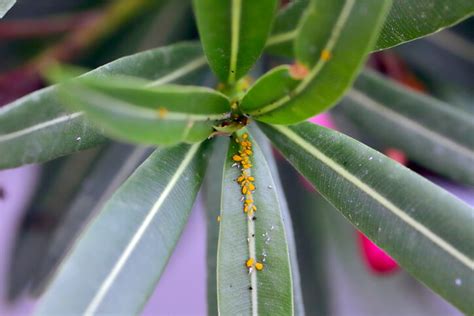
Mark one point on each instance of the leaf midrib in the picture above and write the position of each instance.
(235, 37)
(172, 76)
(376, 196)
(132, 110)
(365, 101)
(333, 38)
(110, 279)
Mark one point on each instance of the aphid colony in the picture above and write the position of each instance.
(247, 185)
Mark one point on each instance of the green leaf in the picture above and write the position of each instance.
(233, 33)
(260, 236)
(111, 169)
(429, 131)
(400, 211)
(164, 115)
(266, 148)
(332, 43)
(386, 293)
(212, 188)
(37, 128)
(310, 227)
(407, 21)
(284, 29)
(5, 5)
(273, 85)
(117, 261)
(412, 19)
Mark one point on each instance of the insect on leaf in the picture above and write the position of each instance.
(253, 266)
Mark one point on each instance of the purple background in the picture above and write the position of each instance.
(184, 279)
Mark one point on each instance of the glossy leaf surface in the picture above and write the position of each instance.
(212, 188)
(284, 30)
(332, 43)
(407, 21)
(138, 229)
(430, 132)
(412, 19)
(260, 236)
(400, 211)
(37, 127)
(233, 33)
(265, 146)
(132, 111)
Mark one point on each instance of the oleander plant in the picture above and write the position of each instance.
(212, 108)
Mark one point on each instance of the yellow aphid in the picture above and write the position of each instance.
(248, 201)
(162, 112)
(251, 186)
(246, 144)
(240, 179)
(248, 152)
(259, 266)
(218, 218)
(245, 136)
(326, 55)
(244, 190)
(251, 178)
(254, 208)
(249, 263)
(237, 158)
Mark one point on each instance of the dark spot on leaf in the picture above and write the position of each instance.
(250, 288)
(2, 193)
(254, 218)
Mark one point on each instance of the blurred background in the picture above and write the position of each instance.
(43, 207)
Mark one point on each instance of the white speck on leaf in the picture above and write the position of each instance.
(458, 282)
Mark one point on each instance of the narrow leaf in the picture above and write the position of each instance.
(233, 33)
(117, 261)
(429, 131)
(251, 238)
(163, 115)
(412, 19)
(37, 128)
(400, 211)
(111, 169)
(5, 5)
(212, 188)
(310, 227)
(332, 43)
(284, 30)
(407, 21)
(265, 146)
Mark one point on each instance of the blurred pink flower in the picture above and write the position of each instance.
(377, 260)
